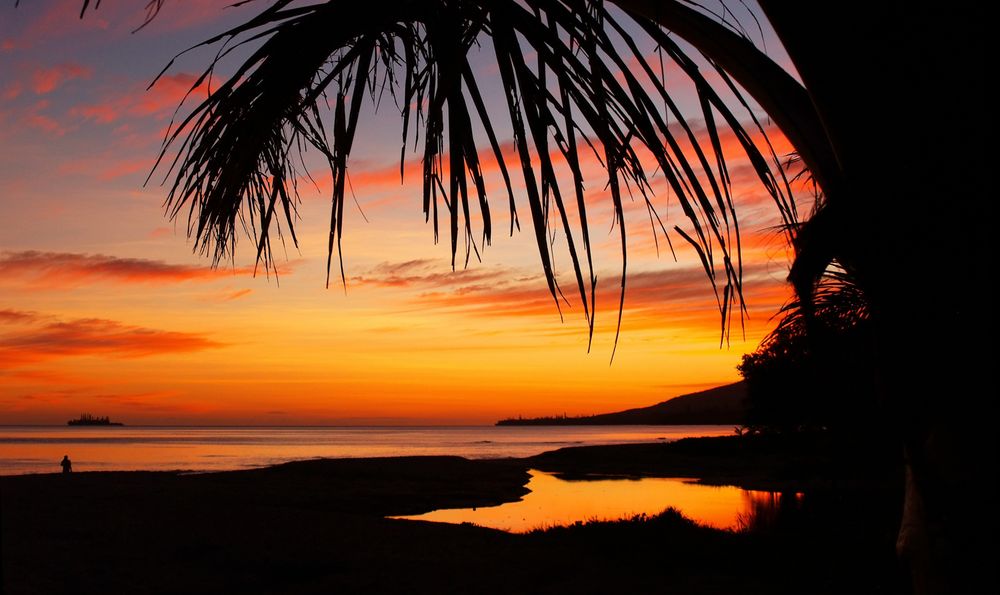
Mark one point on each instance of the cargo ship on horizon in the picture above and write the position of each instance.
(89, 420)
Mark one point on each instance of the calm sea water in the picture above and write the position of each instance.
(39, 449)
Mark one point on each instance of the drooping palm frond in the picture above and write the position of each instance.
(816, 275)
(828, 297)
(565, 67)
(837, 304)
(152, 9)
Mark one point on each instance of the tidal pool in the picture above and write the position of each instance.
(553, 501)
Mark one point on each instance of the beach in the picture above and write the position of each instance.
(320, 526)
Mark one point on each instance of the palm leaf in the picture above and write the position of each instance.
(236, 150)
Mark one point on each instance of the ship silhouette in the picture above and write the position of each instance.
(89, 420)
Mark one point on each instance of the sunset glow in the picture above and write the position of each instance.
(104, 308)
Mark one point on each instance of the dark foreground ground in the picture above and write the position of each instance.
(319, 527)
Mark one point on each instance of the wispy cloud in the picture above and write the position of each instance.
(11, 91)
(46, 80)
(676, 296)
(57, 403)
(432, 273)
(34, 117)
(41, 338)
(159, 102)
(229, 296)
(505, 290)
(8, 316)
(62, 269)
(160, 232)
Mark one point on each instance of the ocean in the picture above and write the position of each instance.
(39, 449)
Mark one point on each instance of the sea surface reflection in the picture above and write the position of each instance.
(129, 448)
(555, 501)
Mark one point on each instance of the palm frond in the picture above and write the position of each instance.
(565, 70)
(836, 304)
(152, 9)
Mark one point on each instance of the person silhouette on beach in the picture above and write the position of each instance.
(67, 465)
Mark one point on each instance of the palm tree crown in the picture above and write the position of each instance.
(570, 85)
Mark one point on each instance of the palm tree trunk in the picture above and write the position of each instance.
(896, 137)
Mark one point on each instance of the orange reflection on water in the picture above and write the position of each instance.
(554, 501)
(130, 448)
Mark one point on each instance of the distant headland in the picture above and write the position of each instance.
(89, 420)
(721, 405)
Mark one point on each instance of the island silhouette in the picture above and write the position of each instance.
(720, 405)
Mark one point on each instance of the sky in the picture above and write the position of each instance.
(106, 308)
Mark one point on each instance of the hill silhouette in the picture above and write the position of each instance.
(720, 405)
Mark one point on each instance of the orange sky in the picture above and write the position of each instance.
(104, 308)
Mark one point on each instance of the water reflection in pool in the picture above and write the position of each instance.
(554, 501)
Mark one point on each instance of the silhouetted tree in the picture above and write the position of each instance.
(815, 370)
(900, 89)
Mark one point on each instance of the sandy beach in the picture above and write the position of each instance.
(320, 526)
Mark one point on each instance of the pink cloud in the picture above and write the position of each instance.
(166, 94)
(124, 168)
(47, 80)
(45, 123)
(101, 113)
(59, 21)
(34, 117)
(12, 91)
(159, 102)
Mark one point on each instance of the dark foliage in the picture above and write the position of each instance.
(816, 370)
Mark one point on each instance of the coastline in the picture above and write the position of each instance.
(319, 525)
(132, 448)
